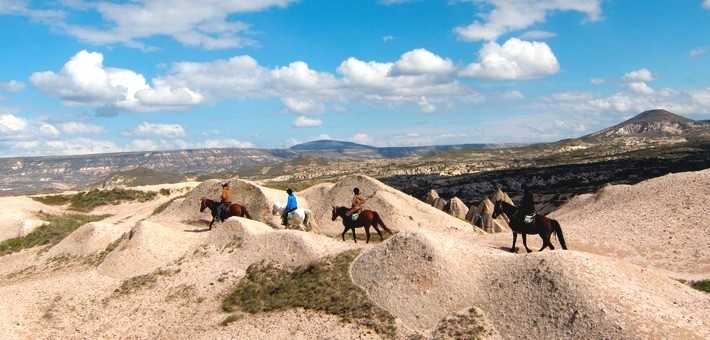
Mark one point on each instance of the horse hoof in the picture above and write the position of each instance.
(529, 251)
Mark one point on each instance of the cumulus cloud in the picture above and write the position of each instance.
(303, 105)
(12, 86)
(84, 80)
(78, 128)
(11, 124)
(514, 15)
(78, 146)
(515, 59)
(303, 121)
(421, 61)
(537, 35)
(425, 106)
(362, 138)
(224, 143)
(303, 90)
(48, 131)
(212, 26)
(157, 130)
(640, 87)
(706, 4)
(639, 75)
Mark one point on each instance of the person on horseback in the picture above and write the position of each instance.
(527, 206)
(291, 205)
(225, 200)
(358, 201)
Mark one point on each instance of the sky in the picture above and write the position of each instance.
(83, 77)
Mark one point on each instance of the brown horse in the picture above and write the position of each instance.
(367, 219)
(233, 210)
(540, 225)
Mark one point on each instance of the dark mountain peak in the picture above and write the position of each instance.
(328, 144)
(657, 115)
(652, 122)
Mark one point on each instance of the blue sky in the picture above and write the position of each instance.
(81, 76)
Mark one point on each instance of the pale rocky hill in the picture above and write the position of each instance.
(438, 276)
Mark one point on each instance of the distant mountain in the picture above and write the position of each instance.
(328, 144)
(653, 122)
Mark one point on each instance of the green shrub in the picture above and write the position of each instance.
(702, 285)
(87, 201)
(323, 286)
(51, 233)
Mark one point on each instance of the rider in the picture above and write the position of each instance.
(358, 201)
(527, 206)
(291, 205)
(225, 199)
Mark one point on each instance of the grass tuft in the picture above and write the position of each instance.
(323, 286)
(88, 201)
(702, 285)
(51, 233)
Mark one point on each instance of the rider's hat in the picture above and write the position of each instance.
(225, 184)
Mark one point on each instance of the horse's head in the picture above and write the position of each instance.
(335, 212)
(203, 204)
(275, 209)
(497, 209)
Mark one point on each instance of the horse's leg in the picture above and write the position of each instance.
(345, 231)
(354, 239)
(367, 234)
(515, 238)
(525, 242)
(378, 231)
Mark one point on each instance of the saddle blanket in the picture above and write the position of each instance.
(529, 218)
(354, 216)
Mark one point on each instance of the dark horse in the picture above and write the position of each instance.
(540, 225)
(232, 210)
(367, 219)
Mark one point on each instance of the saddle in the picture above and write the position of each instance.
(355, 216)
(529, 218)
(289, 216)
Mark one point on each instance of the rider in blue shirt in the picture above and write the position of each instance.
(291, 205)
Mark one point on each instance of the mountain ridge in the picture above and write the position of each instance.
(37, 174)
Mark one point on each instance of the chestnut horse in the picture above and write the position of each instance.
(540, 225)
(367, 219)
(233, 210)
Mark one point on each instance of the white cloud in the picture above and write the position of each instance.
(639, 75)
(78, 128)
(640, 87)
(158, 130)
(48, 131)
(387, 38)
(706, 4)
(421, 61)
(12, 124)
(298, 76)
(362, 138)
(211, 26)
(12, 86)
(513, 15)
(698, 51)
(224, 143)
(85, 81)
(425, 106)
(303, 121)
(303, 105)
(515, 59)
(79, 146)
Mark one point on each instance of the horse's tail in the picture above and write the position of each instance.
(308, 220)
(377, 220)
(246, 214)
(558, 230)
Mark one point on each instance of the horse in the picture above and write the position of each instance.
(540, 225)
(233, 210)
(301, 218)
(367, 219)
